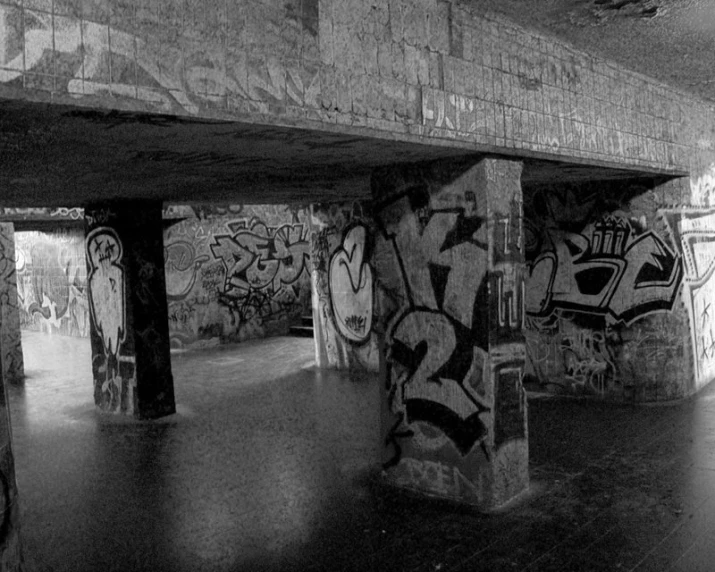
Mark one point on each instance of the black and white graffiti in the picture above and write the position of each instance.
(438, 338)
(608, 269)
(106, 287)
(351, 286)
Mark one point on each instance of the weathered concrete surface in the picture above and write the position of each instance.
(670, 40)
(427, 71)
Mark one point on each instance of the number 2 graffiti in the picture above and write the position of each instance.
(434, 342)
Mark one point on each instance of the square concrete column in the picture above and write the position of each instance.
(10, 549)
(129, 325)
(449, 275)
(10, 337)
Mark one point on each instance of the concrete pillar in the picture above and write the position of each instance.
(10, 338)
(129, 327)
(449, 274)
(10, 552)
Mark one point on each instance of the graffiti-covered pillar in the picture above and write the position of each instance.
(449, 276)
(128, 310)
(10, 337)
(10, 549)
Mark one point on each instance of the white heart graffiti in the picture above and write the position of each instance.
(351, 287)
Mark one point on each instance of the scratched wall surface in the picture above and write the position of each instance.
(237, 272)
(52, 281)
(428, 68)
(449, 271)
(605, 315)
(342, 242)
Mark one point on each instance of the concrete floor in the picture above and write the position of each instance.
(267, 466)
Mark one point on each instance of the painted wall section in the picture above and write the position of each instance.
(52, 281)
(342, 242)
(450, 273)
(237, 273)
(604, 310)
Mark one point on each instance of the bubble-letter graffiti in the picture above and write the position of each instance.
(351, 287)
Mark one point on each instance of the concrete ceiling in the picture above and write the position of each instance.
(670, 40)
(65, 156)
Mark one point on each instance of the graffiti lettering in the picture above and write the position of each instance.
(441, 479)
(606, 271)
(259, 257)
(432, 342)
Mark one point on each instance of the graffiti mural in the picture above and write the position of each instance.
(343, 286)
(106, 286)
(113, 359)
(601, 269)
(438, 339)
(351, 286)
(231, 279)
(256, 257)
(608, 269)
(52, 281)
(168, 79)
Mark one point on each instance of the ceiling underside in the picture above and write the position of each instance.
(61, 156)
(670, 40)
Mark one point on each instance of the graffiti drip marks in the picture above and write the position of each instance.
(351, 287)
(606, 270)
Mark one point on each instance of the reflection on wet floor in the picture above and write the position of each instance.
(268, 465)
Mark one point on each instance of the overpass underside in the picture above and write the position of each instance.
(528, 214)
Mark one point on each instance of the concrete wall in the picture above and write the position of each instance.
(343, 286)
(52, 281)
(237, 273)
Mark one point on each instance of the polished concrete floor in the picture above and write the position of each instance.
(268, 466)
